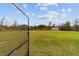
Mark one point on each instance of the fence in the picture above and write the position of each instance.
(22, 49)
(17, 52)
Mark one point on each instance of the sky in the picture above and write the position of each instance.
(40, 13)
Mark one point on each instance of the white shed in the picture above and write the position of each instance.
(54, 29)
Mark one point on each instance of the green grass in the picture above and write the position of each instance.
(10, 40)
(42, 43)
(55, 43)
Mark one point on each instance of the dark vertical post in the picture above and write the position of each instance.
(28, 36)
(28, 24)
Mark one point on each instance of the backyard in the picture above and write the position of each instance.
(55, 43)
(9, 40)
(42, 42)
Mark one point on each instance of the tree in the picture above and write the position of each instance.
(76, 26)
(2, 27)
(49, 25)
(61, 27)
(65, 26)
(53, 25)
(2, 21)
(14, 26)
(35, 27)
(42, 27)
(15, 23)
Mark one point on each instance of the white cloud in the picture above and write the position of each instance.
(56, 4)
(33, 14)
(1, 17)
(49, 16)
(64, 15)
(66, 10)
(44, 6)
(5, 17)
(27, 13)
(69, 9)
(63, 10)
(53, 12)
(25, 5)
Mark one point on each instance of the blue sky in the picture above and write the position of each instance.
(40, 13)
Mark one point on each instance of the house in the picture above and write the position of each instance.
(54, 28)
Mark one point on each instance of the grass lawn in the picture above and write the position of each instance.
(55, 43)
(42, 42)
(10, 40)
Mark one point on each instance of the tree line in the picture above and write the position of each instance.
(67, 26)
(14, 26)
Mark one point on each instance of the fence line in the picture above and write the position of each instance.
(17, 48)
(28, 22)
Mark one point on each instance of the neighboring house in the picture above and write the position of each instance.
(54, 29)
